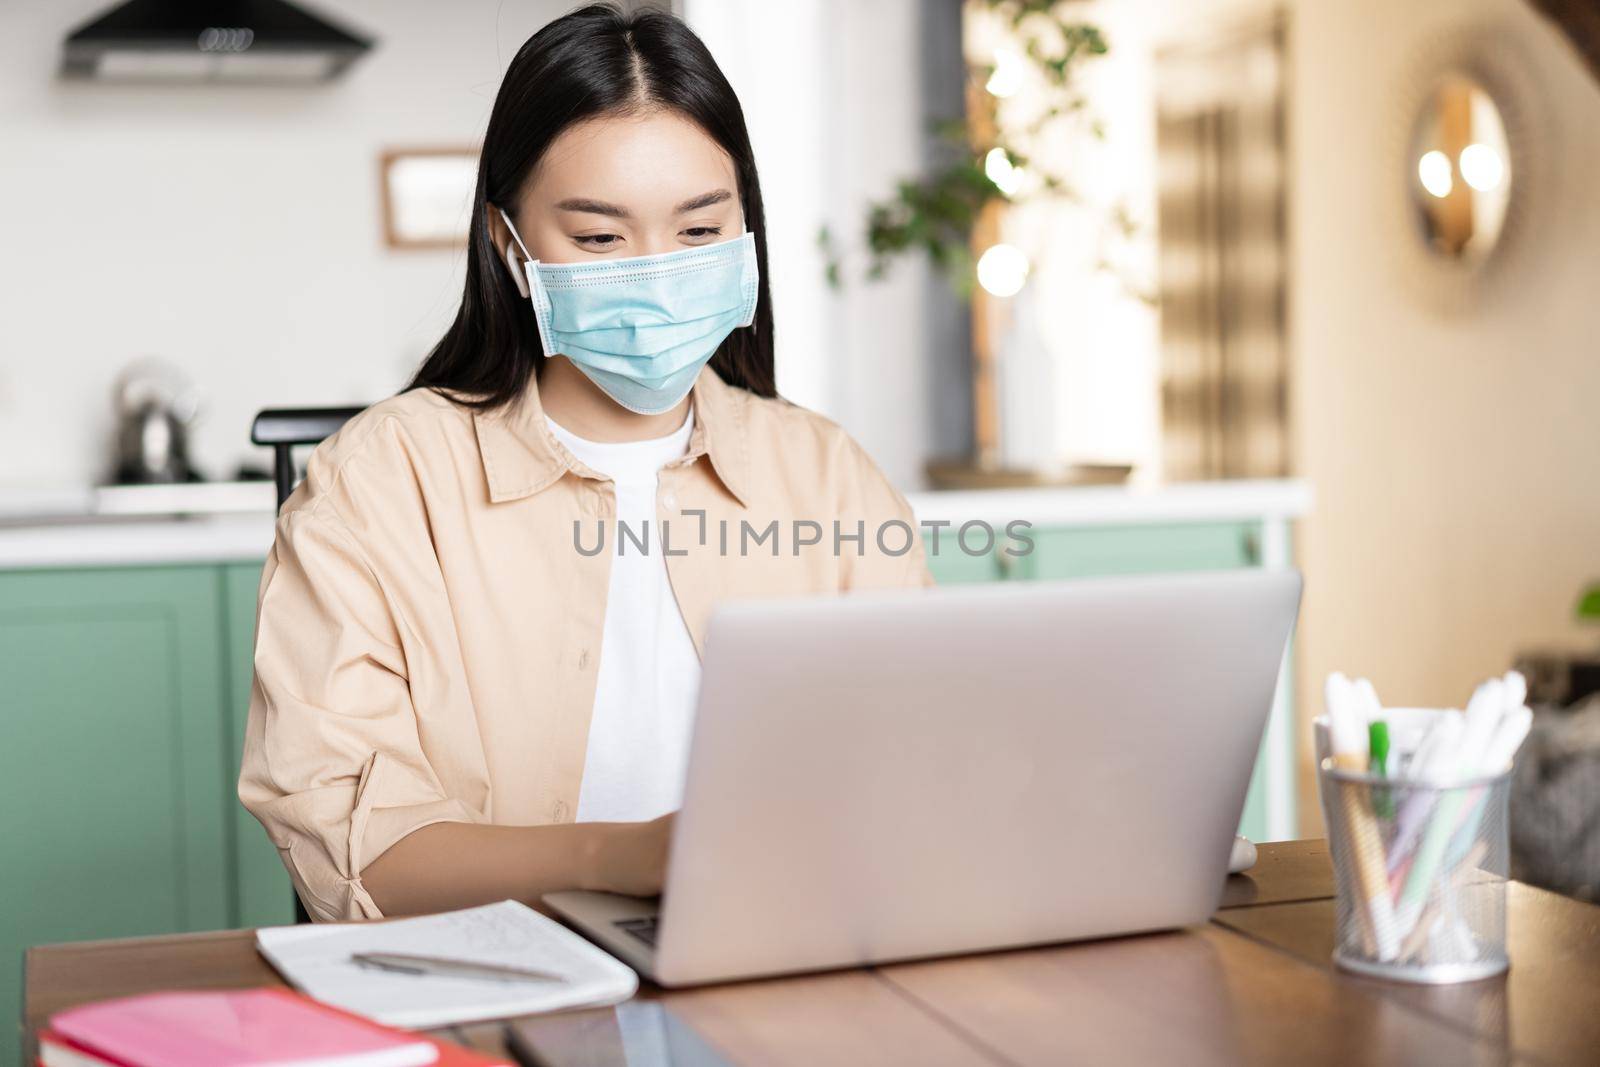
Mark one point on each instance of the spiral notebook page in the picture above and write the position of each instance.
(316, 960)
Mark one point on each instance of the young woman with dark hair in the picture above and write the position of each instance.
(480, 624)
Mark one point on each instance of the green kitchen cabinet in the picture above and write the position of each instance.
(951, 566)
(263, 894)
(1064, 552)
(113, 797)
(1098, 551)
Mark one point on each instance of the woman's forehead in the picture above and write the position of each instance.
(647, 163)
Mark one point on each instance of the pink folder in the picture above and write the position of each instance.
(245, 1028)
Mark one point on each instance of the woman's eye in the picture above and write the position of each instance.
(700, 233)
(597, 240)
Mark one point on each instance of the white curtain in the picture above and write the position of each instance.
(832, 97)
(776, 56)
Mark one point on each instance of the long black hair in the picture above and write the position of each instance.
(597, 60)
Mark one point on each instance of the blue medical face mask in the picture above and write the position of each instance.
(642, 327)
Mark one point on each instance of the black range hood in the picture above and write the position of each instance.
(210, 41)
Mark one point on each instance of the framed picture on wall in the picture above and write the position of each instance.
(427, 196)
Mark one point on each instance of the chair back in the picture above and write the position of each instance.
(284, 428)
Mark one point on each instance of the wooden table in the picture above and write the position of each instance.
(1256, 985)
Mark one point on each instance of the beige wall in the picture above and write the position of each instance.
(1455, 457)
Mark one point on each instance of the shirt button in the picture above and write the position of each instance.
(670, 501)
(560, 812)
(583, 660)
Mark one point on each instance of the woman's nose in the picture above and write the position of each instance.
(658, 242)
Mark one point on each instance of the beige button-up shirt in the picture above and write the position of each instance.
(429, 618)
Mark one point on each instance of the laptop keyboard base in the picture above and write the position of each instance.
(643, 928)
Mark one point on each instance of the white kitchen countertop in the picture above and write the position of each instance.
(186, 539)
(91, 502)
(1118, 505)
(116, 526)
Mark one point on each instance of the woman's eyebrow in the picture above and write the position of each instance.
(600, 207)
(593, 207)
(695, 203)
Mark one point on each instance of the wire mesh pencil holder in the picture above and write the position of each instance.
(1420, 873)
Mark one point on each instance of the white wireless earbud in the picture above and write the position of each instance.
(517, 273)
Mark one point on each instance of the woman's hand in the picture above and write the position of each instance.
(631, 857)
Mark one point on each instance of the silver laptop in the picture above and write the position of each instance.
(896, 775)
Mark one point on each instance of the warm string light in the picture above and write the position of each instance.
(1007, 177)
(1008, 73)
(1002, 270)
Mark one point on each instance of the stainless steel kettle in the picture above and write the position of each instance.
(155, 406)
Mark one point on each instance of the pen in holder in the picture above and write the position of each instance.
(1420, 872)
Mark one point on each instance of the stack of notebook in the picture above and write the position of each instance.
(491, 962)
(245, 1028)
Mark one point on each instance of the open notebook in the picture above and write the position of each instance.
(316, 960)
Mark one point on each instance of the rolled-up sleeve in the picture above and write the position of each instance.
(333, 766)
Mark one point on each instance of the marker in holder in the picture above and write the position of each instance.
(1444, 850)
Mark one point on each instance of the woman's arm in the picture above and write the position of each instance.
(449, 865)
(334, 768)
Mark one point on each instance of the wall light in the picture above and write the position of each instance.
(1433, 170)
(1002, 270)
(1482, 168)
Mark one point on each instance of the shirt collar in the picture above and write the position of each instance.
(521, 456)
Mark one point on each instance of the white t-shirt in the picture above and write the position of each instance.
(644, 698)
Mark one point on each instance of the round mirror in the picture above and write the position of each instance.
(1460, 170)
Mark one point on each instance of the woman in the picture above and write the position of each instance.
(462, 693)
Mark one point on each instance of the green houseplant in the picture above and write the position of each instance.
(985, 160)
(1589, 604)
